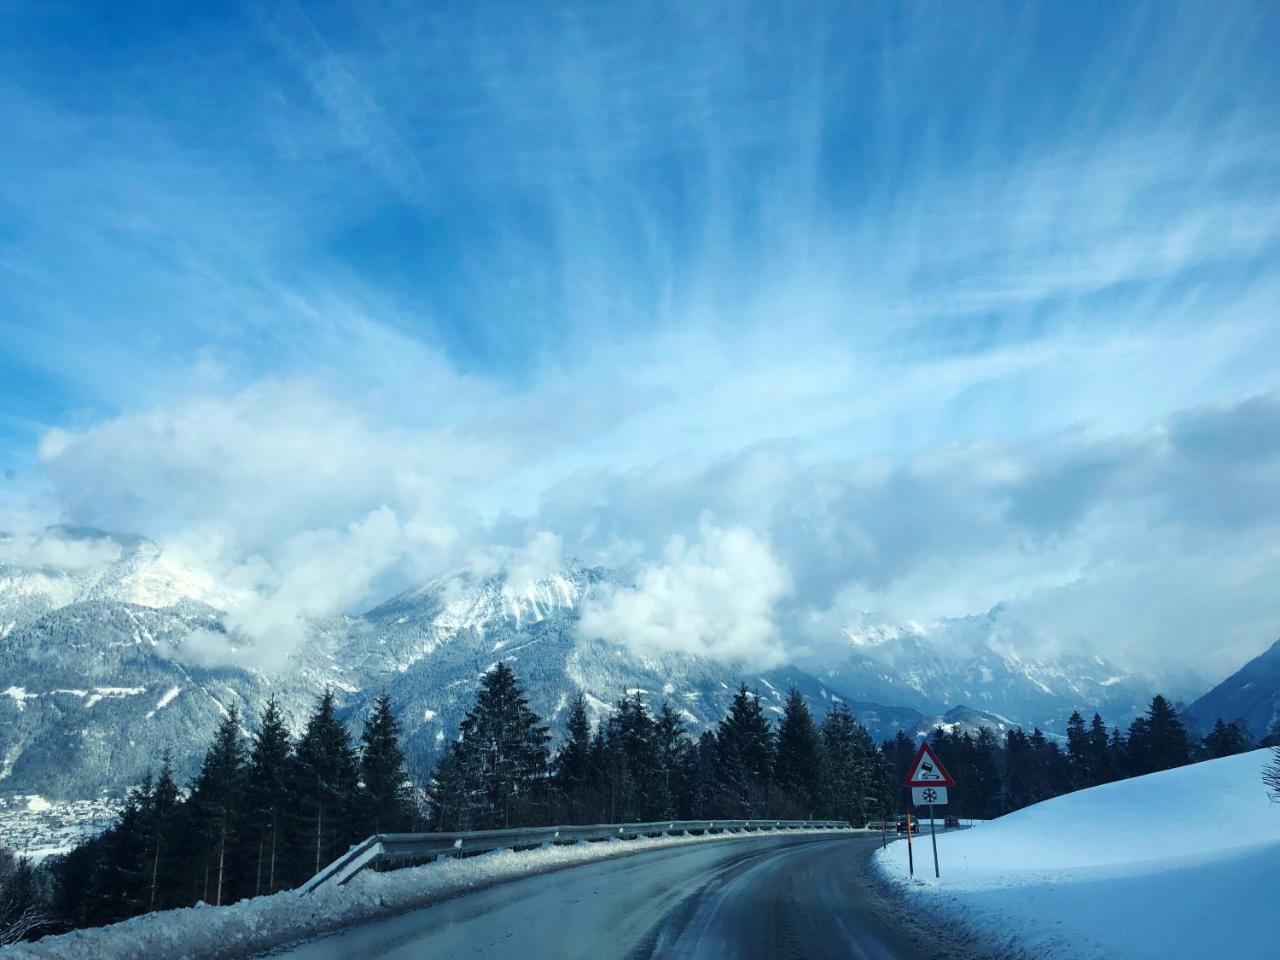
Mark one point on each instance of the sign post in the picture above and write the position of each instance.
(928, 781)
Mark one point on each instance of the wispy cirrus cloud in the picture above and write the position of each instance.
(434, 284)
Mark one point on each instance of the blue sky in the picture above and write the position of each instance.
(622, 281)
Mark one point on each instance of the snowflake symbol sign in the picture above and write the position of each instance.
(930, 795)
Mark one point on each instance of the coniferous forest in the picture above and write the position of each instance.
(267, 810)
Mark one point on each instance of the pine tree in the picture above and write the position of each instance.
(571, 767)
(117, 889)
(500, 758)
(1079, 756)
(850, 758)
(159, 815)
(267, 796)
(1101, 767)
(1158, 740)
(676, 762)
(1118, 754)
(799, 770)
(1226, 740)
(217, 798)
(705, 797)
(326, 778)
(984, 795)
(745, 743)
(385, 800)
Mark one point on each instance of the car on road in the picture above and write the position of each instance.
(951, 823)
(904, 819)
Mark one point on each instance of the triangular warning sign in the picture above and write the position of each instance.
(927, 770)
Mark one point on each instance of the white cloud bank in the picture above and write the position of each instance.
(715, 597)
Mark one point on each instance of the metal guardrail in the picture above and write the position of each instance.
(401, 847)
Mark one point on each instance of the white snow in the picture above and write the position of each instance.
(265, 923)
(428, 714)
(164, 701)
(1177, 865)
(20, 696)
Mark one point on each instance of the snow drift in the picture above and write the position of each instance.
(1179, 864)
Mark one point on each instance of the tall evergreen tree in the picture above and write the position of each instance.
(269, 780)
(1101, 765)
(217, 798)
(675, 763)
(799, 770)
(850, 758)
(1226, 740)
(500, 758)
(326, 778)
(1158, 740)
(571, 768)
(160, 812)
(1079, 756)
(744, 740)
(385, 802)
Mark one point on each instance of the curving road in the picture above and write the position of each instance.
(791, 898)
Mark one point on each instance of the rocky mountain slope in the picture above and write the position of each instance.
(1251, 694)
(100, 666)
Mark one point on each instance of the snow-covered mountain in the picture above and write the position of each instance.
(97, 675)
(982, 662)
(1251, 694)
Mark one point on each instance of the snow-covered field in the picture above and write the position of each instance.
(254, 926)
(1179, 864)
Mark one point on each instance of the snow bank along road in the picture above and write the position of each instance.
(1178, 865)
(776, 897)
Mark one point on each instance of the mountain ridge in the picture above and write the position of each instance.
(94, 684)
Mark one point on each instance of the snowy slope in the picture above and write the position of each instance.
(1179, 864)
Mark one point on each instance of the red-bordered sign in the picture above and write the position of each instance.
(927, 770)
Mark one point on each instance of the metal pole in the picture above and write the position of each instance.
(933, 833)
(911, 860)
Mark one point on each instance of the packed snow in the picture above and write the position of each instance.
(252, 927)
(1179, 864)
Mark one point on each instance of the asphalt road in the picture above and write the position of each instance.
(789, 898)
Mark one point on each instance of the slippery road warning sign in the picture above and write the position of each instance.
(928, 781)
(927, 770)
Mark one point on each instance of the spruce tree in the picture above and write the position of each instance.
(1158, 740)
(705, 794)
(799, 770)
(385, 801)
(745, 742)
(326, 778)
(984, 795)
(1101, 768)
(571, 768)
(501, 755)
(118, 889)
(159, 815)
(1226, 740)
(267, 797)
(217, 798)
(676, 762)
(1078, 754)
(851, 766)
